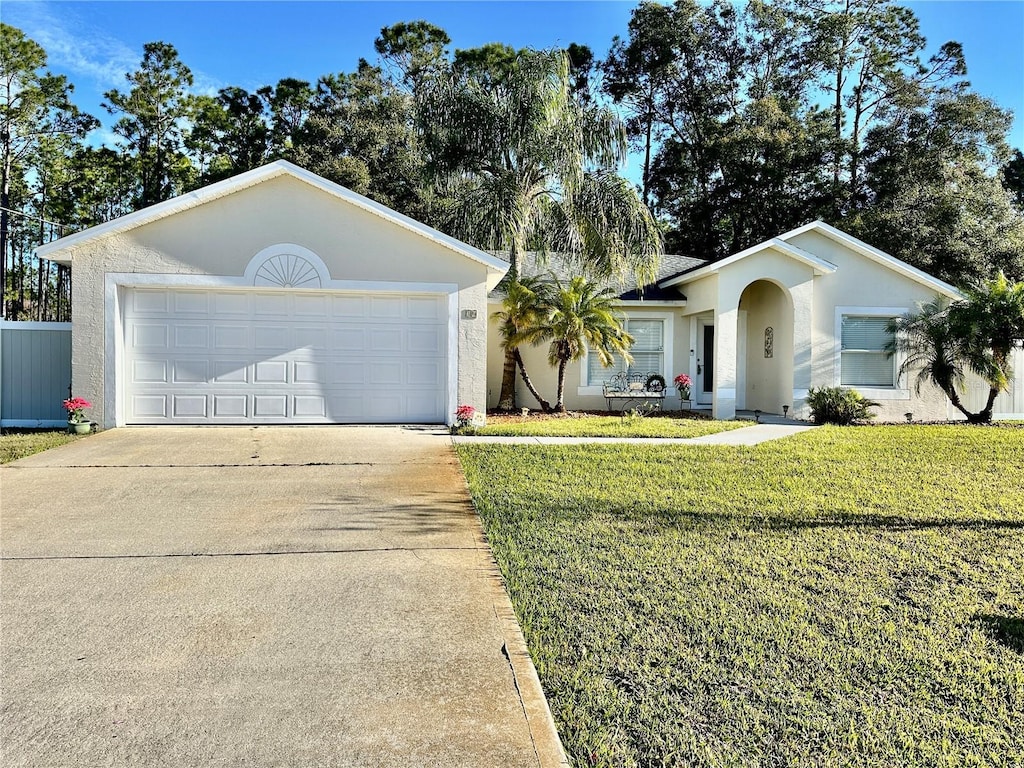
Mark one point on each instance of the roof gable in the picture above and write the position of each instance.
(859, 246)
(252, 178)
(783, 244)
(820, 266)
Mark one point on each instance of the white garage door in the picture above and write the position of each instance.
(283, 357)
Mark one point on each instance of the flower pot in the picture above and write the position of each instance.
(79, 427)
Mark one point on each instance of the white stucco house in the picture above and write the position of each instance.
(278, 297)
(275, 297)
(759, 328)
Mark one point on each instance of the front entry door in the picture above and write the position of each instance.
(705, 362)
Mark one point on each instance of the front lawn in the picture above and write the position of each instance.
(18, 444)
(847, 596)
(573, 425)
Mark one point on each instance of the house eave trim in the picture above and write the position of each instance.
(251, 178)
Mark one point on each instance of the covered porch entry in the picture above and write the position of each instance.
(750, 333)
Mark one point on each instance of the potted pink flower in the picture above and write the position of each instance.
(683, 383)
(77, 423)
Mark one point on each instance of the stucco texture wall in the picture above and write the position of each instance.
(862, 282)
(220, 237)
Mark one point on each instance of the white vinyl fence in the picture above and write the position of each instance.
(35, 373)
(1008, 405)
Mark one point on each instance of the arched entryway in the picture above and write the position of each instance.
(765, 354)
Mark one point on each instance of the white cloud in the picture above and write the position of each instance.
(83, 52)
(72, 46)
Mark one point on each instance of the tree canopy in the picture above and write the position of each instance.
(747, 120)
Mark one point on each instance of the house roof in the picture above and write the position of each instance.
(820, 266)
(532, 264)
(279, 168)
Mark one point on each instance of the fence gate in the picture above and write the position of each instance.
(1008, 405)
(35, 373)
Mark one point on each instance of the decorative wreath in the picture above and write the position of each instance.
(655, 383)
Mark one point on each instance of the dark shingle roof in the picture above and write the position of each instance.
(531, 264)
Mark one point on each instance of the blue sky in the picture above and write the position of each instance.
(251, 44)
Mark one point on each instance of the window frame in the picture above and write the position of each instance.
(586, 388)
(899, 390)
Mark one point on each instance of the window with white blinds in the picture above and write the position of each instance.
(648, 353)
(864, 362)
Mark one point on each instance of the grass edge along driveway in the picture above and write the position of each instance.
(610, 426)
(17, 444)
(847, 596)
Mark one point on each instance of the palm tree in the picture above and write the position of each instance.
(989, 324)
(529, 167)
(523, 307)
(944, 339)
(577, 316)
(926, 341)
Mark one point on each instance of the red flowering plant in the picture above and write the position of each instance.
(683, 383)
(464, 415)
(75, 407)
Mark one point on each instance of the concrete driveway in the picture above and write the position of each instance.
(257, 596)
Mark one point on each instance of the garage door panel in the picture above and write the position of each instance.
(343, 307)
(231, 337)
(149, 336)
(347, 339)
(272, 337)
(386, 374)
(309, 406)
(230, 406)
(270, 304)
(191, 303)
(426, 340)
(190, 371)
(386, 340)
(149, 406)
(230, 371)
(230, 303)
(312, 338)
(149, 372)
(310, 373)
(149, 302)
(426, 309)
(312, 307)
(429, 375)
(270, 406)
(191, 337)
(271, 372)
(189, 406)
(285, 357)
(387, 307)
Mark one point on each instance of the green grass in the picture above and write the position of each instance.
(16, 445)
(847, 596)
(612, 426)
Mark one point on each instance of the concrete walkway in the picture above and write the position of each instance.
(759, 433)
(257, 596)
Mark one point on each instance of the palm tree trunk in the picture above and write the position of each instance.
(507, 398)
(984, 416)
(954, 398)
(560, 404)
(544, 404)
